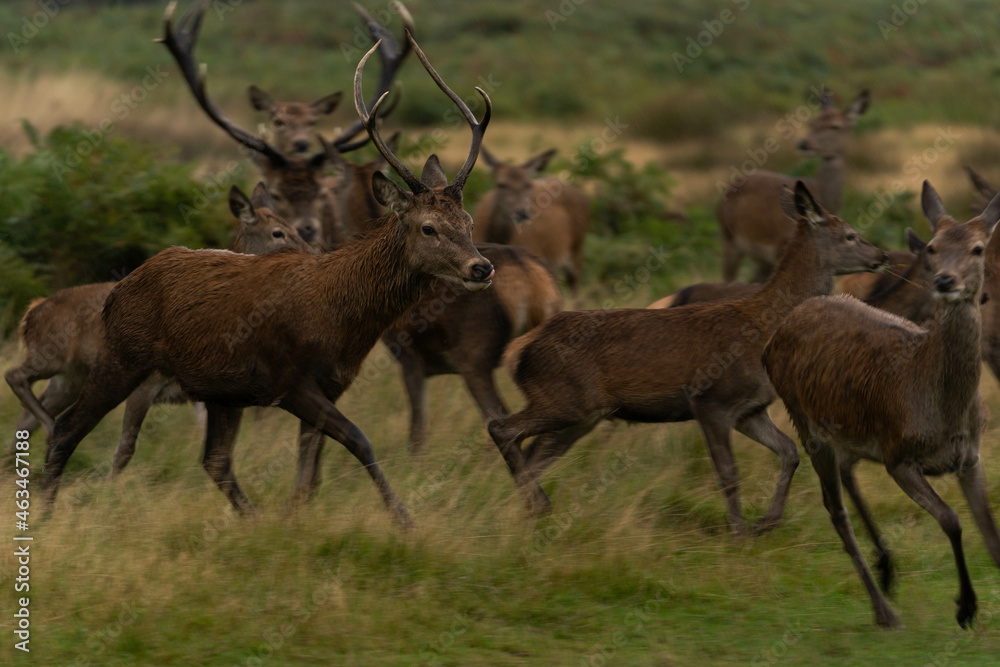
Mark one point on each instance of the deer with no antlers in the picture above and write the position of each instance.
(62, 333)
(749, 214)
(698, 362)
(862, 384)
(297, 183)
(454, 332)
(545, 215)
(171, 315)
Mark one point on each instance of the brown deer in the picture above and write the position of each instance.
(697, 362)
(862, 384)
(296, 183)
(62, 333)
(293, 123)
(545, 215)
(750, 212)
(323, 315)
(452, 331)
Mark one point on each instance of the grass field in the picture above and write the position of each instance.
(635, 566)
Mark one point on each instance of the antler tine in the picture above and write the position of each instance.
(181, 46)
(392, 58)
(478, 128)
(370, 123)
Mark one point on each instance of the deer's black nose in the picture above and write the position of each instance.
(482, 271)
(803, 145)
(307, 232)
(944, 282)
(301, 146)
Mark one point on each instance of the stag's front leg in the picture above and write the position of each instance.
(220, 434)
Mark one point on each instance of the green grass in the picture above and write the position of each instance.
(635, 566)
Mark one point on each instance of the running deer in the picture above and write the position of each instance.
(451, 331)
(750, 213)
(322, 315)
(545, 215)
(698, 362)
(296, 183)
(62, 333)
(862, 384)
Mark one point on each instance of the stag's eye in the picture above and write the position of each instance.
(852, 237)
(427, 230)
(930, 250)
(278, 234)
(279, 123)
(978, 250)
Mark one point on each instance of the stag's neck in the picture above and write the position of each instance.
(830, 184)
(950, 357)
(369, 283)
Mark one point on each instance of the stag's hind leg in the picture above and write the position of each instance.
(310, 453)
(758, 426)
(20, 378)
(415, 381)
(223, 424)
(310, 404)
(911, 479)
(58, 395)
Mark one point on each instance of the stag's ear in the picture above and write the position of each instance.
(931, 203)
(433, 175)
(858, 106)
(389, 194)
(991, 214)
(241, 206)
(913, 242)
(491, 161)
(537, 164)
(806, 206)
(260, 100)
(324, 106)
(261, 198)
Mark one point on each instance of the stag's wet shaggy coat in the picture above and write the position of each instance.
(694, 362)
(860, 383)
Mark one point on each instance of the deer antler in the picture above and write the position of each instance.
(392, 58)
(478, 128)
(181, 45)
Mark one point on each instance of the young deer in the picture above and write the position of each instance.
(749, 213)
(320, 316)
(451, 331)
(62, 333)
(669, 365)
(862, 384)
(296, 183)
(544, 215)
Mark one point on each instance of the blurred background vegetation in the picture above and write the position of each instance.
(693, 84)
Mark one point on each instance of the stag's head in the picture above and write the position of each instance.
(293, 123)
(514, 183)
(260, 230)
(840, 246)
(956, 255)
(431, 215)
(830, 130)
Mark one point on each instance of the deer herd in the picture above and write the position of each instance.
(332, 256)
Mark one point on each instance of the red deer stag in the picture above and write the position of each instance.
(862, 384)
(296, 183)
(62, 333)
(698, 362)
(545, 215)
(326, 312)
(750, 213)
(451, 331)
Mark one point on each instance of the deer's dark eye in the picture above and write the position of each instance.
(978, 250)
(278, 234)
(279, 123)
(852, 237)
(930, 250)
(427, 230)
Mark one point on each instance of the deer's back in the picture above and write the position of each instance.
(752, 211)
(67, 326)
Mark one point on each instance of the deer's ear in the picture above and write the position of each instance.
(537, 164)
(324, 106)
(991, 214)
(260, 100)
(241, 206)
(389, 194)
(931, 203)
(914, 242)
(433, 175)
(489, 158)
(807, 206)
(788, 203)
(858, 106)
(260, 197)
